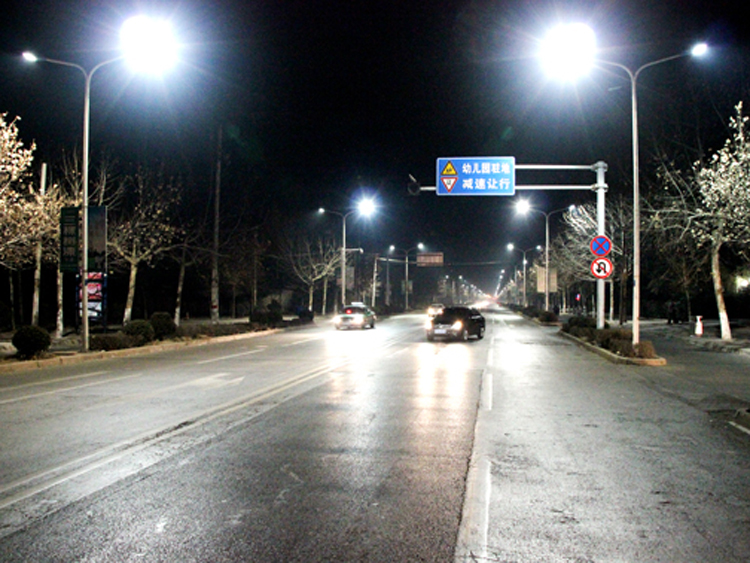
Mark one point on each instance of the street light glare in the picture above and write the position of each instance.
(699, 50)
(523, 207)
(30, 57)
(568, 51)
(366, 207)
(148, 44)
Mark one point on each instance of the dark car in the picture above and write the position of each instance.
(356, 315)
(458, 323)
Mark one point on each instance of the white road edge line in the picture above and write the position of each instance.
(739, 427)
(473, 529)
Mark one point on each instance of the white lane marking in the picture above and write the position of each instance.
(215, 381)
(85, 464)
(298, 342)
(73, 388)
(229, 357)
(55, 380)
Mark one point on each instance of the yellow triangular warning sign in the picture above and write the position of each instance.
(448, 170)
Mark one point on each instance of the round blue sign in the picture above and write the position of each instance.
(601, 246)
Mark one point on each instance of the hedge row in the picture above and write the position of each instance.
(617, 340)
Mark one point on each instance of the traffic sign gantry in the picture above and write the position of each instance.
(476, 176)
(600, 246)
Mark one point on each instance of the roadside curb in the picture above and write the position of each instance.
(614, 358)
(70, 358)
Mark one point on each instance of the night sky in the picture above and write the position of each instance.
(323, 101)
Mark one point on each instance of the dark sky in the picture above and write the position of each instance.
(321, 101)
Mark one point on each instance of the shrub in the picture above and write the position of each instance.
(622, 348)
(306, 316)
(140, 330)
(163, 324)
(30, 341)
(530, 311)
(548, 317)
(583, 332)
(645, 349)
(271, 317)
(586, 322)
(605, 337)
(113, 341)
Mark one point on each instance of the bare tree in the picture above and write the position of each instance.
(310, 260)
(142, 228)
(710, 204)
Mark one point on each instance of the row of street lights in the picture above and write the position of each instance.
(365, 208)
(147, 44)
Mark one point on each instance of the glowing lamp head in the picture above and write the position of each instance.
(568, 51)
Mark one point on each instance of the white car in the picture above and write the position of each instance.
(435, 309)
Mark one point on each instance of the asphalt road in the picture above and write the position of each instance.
(309, 445)
(375, 445)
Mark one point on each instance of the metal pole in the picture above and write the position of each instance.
(546, 261)
(85, 214)
(388, 281)
(406, 276)
(601, 190)
(343, 260)
(636, 218)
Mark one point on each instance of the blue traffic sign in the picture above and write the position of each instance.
(494, 175)
(600, 246)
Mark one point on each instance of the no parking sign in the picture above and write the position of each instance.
(600, 246)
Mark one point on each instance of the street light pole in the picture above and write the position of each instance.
(365, 207)
(87, 75)
(524, 207)
(633, 76)
(150, 45)
(568, 52)
(511, 247)
(392, 248)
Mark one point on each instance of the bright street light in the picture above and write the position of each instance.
(152, 41)
(365, 207)
(148, 44)
(567, 39)
(567, 52)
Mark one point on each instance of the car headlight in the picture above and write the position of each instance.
(458, 325)
(337, 319)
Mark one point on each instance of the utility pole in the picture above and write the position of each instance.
(215, 262)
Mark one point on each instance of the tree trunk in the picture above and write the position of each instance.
(178, 301)
(624, 296)
(726, 331)
(324, 305)
(12, 300)
(127, 316)
(37, 284)
(59, 326)
(310, 292)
